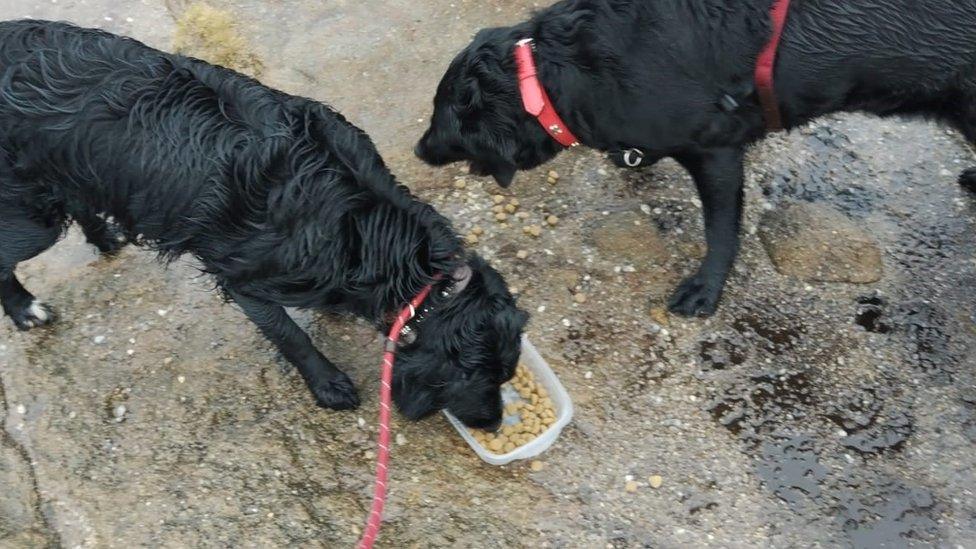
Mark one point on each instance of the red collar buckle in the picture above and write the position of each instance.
(535, 100)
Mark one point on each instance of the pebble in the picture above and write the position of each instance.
(162, 312)
(655, 481)
(552, 220)
(98, 340)
(660, 316)
(181, 379)
(400, 439)
(580, 298)
(119, 412)
(588, 375)
(522, 254)
(460, 184)
(21, 409)
(631, 486)
(167, 360)
(537, 465)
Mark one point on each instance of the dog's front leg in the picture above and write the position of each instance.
(718, 174)
(332, 388)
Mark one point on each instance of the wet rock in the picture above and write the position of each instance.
(791, 470)
(619, 237)
(888, 434)
(886, 515)
(816, 243)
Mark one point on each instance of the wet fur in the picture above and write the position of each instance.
(651, 74)
(281, 200)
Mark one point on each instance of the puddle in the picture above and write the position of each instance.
(790, 469)
(887, 515)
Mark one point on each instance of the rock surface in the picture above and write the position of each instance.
(817, 243)
(797, 416)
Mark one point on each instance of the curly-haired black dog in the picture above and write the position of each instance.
(283, 202)
(675, 78)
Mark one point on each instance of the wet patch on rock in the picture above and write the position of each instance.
(874, 418)
(922, 328)
(790, 468)
(816, 243)
(829, 169)
(889, 514)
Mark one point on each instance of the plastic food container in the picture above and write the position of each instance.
(560, 400)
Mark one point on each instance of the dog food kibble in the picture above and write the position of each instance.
(524, 419)
(471, 239)
(498, 199)
(498, 209)
(655, 481)
(460, 184)
(552, 220)
(631, 486)
(501, 216)
(477, 231)
(580, 298)
(511, 208)
(537, 466)
(532, 230)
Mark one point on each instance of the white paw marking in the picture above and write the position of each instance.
(38, 311)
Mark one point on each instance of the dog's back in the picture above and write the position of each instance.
(90, 121)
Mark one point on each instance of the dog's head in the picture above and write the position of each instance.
(478, 115)
(462, 352)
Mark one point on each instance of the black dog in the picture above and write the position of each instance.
(282, 201)
(675, 78)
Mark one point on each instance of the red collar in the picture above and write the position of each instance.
(535, 100)
(765, 64)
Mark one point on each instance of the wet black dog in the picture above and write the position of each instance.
(284, 202)
(675, 78)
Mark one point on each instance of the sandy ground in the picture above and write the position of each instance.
(805, 413)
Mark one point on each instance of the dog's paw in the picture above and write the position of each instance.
(695, 296)
(34, 315)
(337, 393)
(968, 180)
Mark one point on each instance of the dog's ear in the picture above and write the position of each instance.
(504, 174)
(469, 95)
(508, 327)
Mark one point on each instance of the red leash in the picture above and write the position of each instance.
(386, 388)
(765, 65)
